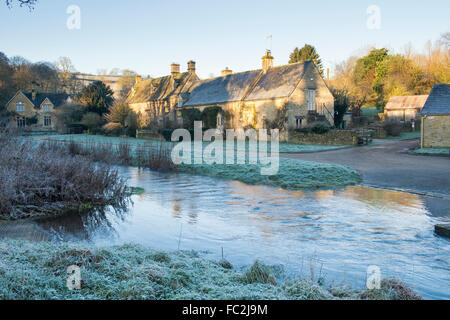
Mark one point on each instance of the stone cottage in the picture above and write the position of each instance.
(290, 96)
(436, 118)
(34, 110)
(155, 100)
(405, 108)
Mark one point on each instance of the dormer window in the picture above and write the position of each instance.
(20, 107)
(47, 107)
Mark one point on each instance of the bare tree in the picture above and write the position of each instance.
(66, 69)
(23, 3)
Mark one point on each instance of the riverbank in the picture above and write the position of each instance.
(30, 271)
(289, 174)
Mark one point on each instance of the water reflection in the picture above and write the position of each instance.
(346, 230)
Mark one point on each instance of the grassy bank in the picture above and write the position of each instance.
(38, 271)
(41, 180)
(292, 174)
(84, 138)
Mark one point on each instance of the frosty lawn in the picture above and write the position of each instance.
(38, 271)
(433, 151)
(84, 138)
(292, 174)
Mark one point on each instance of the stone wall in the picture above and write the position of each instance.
(333, 137)
(147, 134)
(436, 131)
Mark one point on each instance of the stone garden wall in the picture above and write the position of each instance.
(333, 137)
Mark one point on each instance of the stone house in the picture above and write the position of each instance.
(294, 95)
(436, 118)
(405, 108)
(155, 100)
(34, 110)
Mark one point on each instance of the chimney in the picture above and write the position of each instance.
(226, 72)
(175, 69)
(138, 79)
(191, 66)
(33, 94)
(267, 61)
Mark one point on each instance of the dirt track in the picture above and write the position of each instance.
(390, 164)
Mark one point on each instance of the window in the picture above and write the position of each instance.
(20, 107)
(47, 121)
(47, 107)
(20, 122)
(299, 122)
(311, 100)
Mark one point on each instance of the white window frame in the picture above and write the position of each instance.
(20, 107)
(47, 121)
(311, 100)
(47, 107)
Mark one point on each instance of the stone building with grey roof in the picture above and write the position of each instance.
(436, 118)
(287, 97)
(155, 100)
(36, 110)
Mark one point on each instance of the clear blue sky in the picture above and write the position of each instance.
(148, 35)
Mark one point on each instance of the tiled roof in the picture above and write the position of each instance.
(277, 82)
(439, 100)
(159, 88)
(222, 89)
(58, 99)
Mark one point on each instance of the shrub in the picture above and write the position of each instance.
(113, 128)
(92, 121)
(320, 129)
(48, 178)
(190, 116)
(167, 133)
(259, 273)
(209, 117)
(391, 289)
(393, 128)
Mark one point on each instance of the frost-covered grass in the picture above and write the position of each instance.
(292, 174)
(84, 138)
(433, 151)
(30, 271)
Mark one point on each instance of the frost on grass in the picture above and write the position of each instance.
(293, 174)
(38, 271)
(44, 179)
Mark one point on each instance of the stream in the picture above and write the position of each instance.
(334, 234)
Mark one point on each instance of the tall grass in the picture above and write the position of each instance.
(152, 155)
(48, 178)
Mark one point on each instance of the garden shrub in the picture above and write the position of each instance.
(209, 117)
(393, 128)
(190, 116)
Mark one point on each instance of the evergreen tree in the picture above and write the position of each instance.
(307, 53)
(97, 97)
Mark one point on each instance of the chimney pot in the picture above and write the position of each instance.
(226, 72)
(267, 61)
(191, 66)
(138, 79)
(175, 69)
